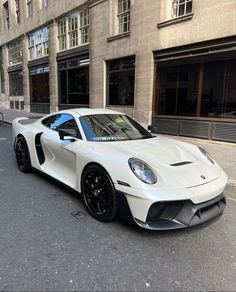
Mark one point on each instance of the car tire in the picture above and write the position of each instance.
(99, 193)
(22, 154)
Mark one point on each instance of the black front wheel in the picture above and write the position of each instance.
(99, 193)
(22, 154)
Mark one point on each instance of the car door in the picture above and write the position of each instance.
(60, 155)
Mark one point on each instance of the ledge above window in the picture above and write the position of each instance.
(175, 20)
(118, 36)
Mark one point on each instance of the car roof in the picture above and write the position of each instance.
(89, 111)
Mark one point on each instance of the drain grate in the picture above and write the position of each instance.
(78, 214)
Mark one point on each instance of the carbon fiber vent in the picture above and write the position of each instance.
(181, 163)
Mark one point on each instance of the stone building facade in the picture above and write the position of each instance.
(171, 63)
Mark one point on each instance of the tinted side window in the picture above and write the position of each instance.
(62, 121)
(49, 121)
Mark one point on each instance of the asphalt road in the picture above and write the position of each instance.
(43, 247)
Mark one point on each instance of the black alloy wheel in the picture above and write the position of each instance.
(99, 194)
(22, 154)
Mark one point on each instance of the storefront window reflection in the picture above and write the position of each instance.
(73, 83)
(121, 74)
(201, 90)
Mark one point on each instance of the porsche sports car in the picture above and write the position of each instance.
(121, 169)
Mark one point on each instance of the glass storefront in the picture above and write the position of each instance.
(73, 83)
(39, 89)
(16, 83)
(120, 83)
(197, 90)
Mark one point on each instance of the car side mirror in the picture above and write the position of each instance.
(67, 134)
(152, 129)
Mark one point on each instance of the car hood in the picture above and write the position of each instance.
(178, 163)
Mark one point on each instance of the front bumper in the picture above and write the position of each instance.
(181, 214)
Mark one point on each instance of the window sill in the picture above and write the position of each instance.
(175, 20)
(118, 36)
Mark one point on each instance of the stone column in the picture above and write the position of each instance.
(6, 102)
(53, 73)
(144, 69)
(25, 72)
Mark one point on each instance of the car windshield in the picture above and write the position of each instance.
(112, 127)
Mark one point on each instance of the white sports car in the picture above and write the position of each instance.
(121, 169)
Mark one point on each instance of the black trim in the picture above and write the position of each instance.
(181, 163)
(39, 149)
(123, 183)
(79, 51)
(123, 208)
(37, 62)
(13, 68)
(205, 51)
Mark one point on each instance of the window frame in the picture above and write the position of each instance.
(123, 16)
(17, 6)
(38, 43)
(6, 14)
(29, 4)
(177, 4)
(84, 25)
(15, 48)
(73, 30)
(62, 34)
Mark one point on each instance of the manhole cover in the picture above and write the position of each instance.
(78, 214)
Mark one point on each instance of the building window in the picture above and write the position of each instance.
(62, 34)
(6, 14)
(30, 7)
(39, 89)
(181, 7)
(44, 3)
(16, 83)
(179, 90)
(199, 90)
(17, 4)
(38, 43)
(15, 52)
(123, 16)
(73, 30)
(74, 82)
(120, 83)
(84, 25)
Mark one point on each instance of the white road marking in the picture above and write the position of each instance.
(3, 139)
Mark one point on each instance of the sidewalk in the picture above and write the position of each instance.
(223, 152)
(10, 115)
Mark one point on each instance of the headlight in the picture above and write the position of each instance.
(142, 171)
(206, 154)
